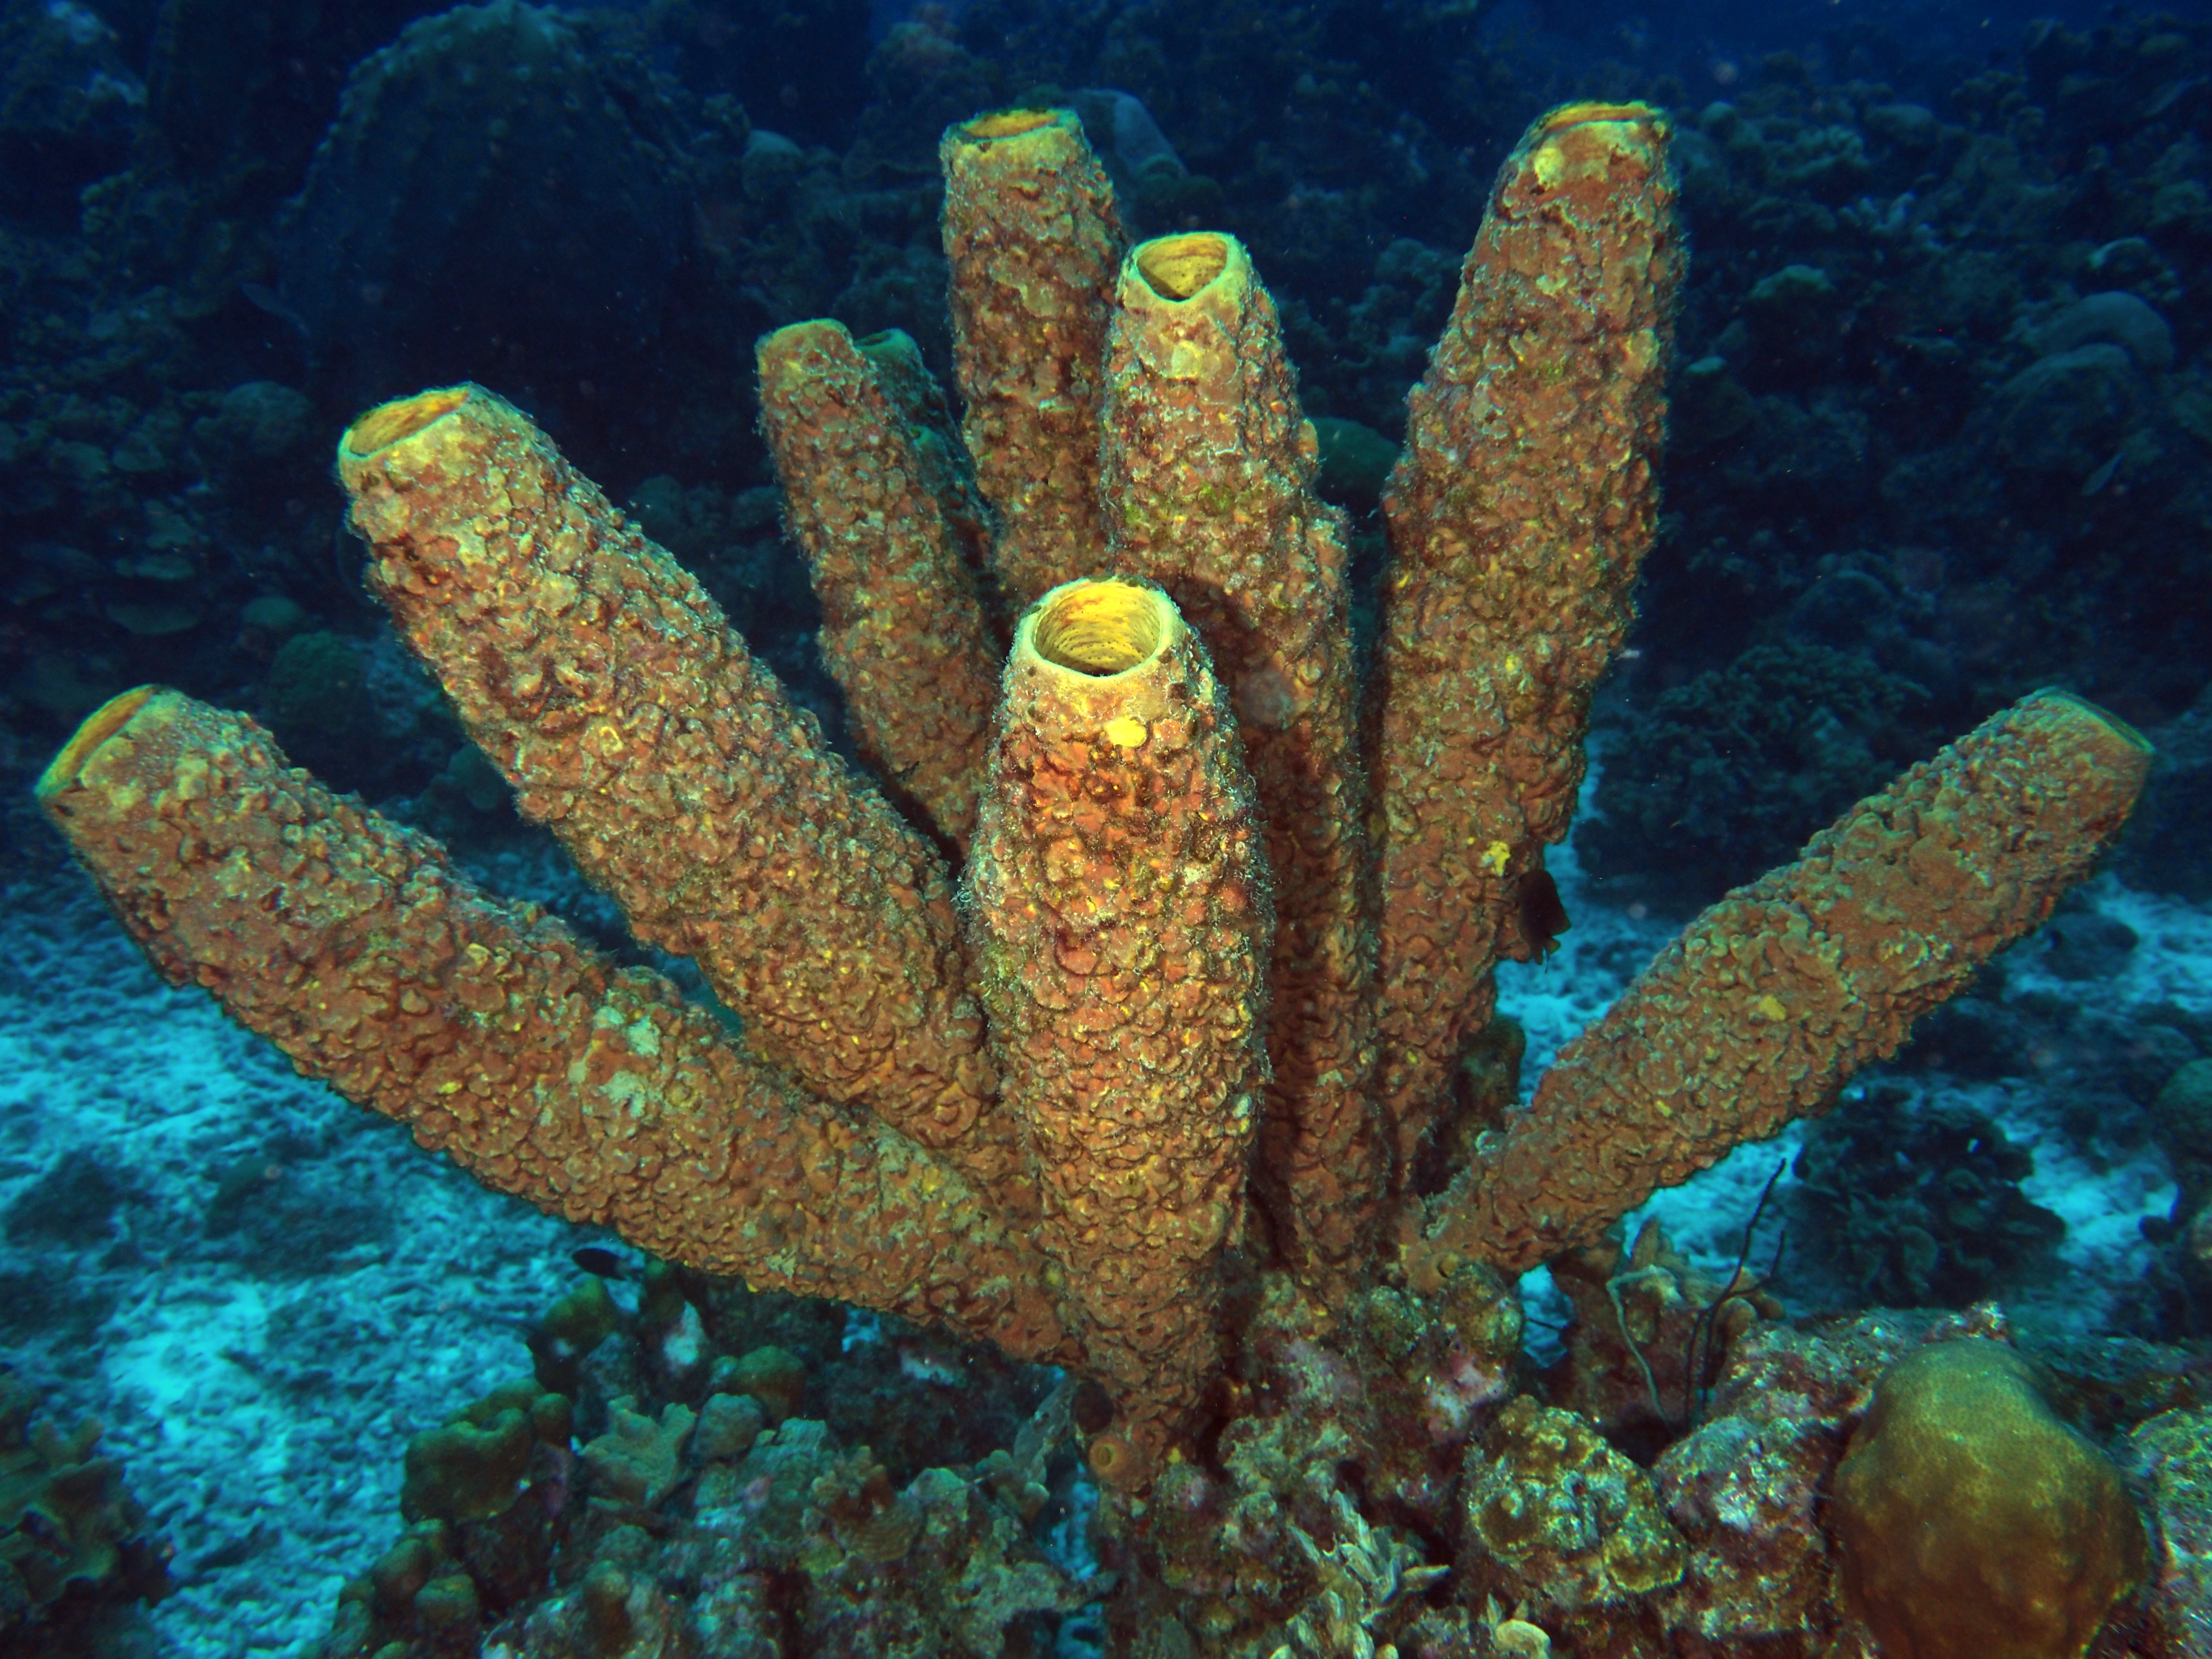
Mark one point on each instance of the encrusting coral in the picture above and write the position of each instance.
(1160, 1069)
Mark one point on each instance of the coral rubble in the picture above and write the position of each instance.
(1060, 1113)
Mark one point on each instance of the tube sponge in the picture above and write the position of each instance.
(497, 1036)
(1118, 902)
(1519, 513)
(1972, 1523)
(902, 626)
(1033, 239)
(602, 681)
(1772, 998)
(1210, 467)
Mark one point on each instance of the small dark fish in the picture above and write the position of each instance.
(266, 299)
(1543, 917)
(2170, 95)
(2103, 476)
(350, 563)
(599, 1262)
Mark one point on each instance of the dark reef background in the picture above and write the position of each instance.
(1942, 422)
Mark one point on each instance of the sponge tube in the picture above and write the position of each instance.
(1518, 514)
(600, 677)
(594, 1091)
(1209, 465)
(1772, 998)
(1117, 897)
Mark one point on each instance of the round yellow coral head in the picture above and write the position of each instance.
(1973, 1522)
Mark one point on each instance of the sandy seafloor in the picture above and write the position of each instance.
(260, 1385)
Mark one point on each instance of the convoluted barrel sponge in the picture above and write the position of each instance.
(1972, 1523)
(498, 194)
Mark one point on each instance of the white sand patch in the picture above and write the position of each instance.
(260, 1414)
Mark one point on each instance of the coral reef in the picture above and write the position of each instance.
(816, 1534)
(1916, 411)
(67, 103)
(1035, 1131)
(1916, 1204)
(2181, 1119)
(465, 205)
(2171, 1454)
(1557, 1518)
(1713, 780)
(699, 1513)
(75, 1548)
(1347, 150)
(2159, 852)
